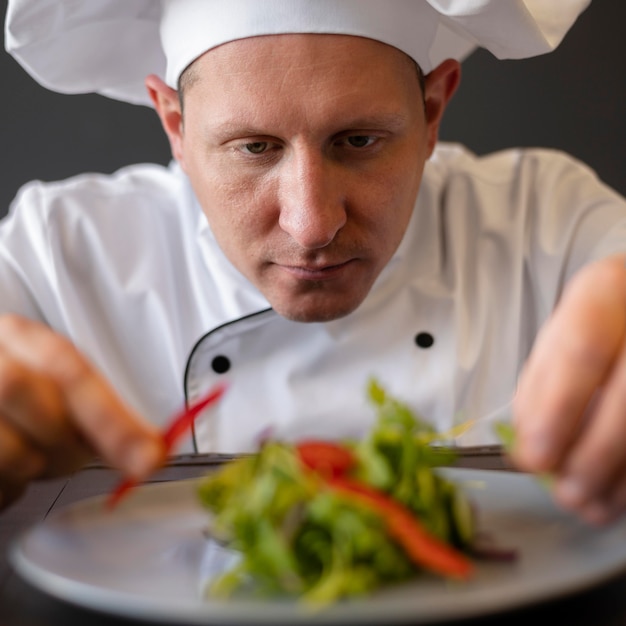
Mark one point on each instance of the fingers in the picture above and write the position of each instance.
(37, 438)
(53, 402)
(19, 463)
(570, 409)
(24, 393)
(592, 479)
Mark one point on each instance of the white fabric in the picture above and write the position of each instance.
(109, 46)
(127, 267)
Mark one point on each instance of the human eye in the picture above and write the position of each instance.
(257, 150)
(353, 141)
(360, 141)
(255, 147)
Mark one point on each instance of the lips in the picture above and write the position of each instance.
(317, 272)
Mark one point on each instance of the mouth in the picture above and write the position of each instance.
(317, 272)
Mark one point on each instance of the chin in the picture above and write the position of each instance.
(309, 312)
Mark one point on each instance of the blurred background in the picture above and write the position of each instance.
(573, 100)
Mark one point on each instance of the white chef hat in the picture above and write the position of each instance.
(110, 46)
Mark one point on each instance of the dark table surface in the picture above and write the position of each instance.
(23, 605)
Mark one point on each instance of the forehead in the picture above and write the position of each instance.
(347, 61)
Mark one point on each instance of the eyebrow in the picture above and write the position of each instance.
(392, 121)
(378, 120)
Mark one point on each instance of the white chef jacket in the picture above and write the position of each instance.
(127, 267)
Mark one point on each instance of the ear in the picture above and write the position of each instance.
(167, 105)
(440, 85)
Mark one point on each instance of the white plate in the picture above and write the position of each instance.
(149, 559)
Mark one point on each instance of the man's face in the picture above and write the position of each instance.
(306, 154)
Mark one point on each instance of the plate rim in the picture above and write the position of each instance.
(364, 611)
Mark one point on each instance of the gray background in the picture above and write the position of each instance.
(573, 99)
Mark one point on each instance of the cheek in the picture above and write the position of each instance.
(394, 199)
(239, 212)
(214, 186)
(225, 191)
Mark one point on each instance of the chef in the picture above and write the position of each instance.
(310, 233)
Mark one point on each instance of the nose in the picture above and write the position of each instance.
(312, 206)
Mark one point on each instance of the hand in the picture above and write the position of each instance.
(57, 411)
(570, 406)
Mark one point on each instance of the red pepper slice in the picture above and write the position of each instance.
(327, 458)
(179, 425)
(422, 547)
(333, 461)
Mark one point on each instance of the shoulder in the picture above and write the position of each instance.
(545, 170)
(525, 178)
(124, 217)
(536, 164)
(127, 189)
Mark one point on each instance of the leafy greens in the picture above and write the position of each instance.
(321, 537)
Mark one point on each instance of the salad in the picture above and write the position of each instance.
(321, 520)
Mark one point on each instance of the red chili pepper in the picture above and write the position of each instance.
(333, 461)
(178, 426)
(422, 547)
(327, 458)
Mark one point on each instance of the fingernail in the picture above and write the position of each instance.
(537, 451)
(144, 457)
(570, 491)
